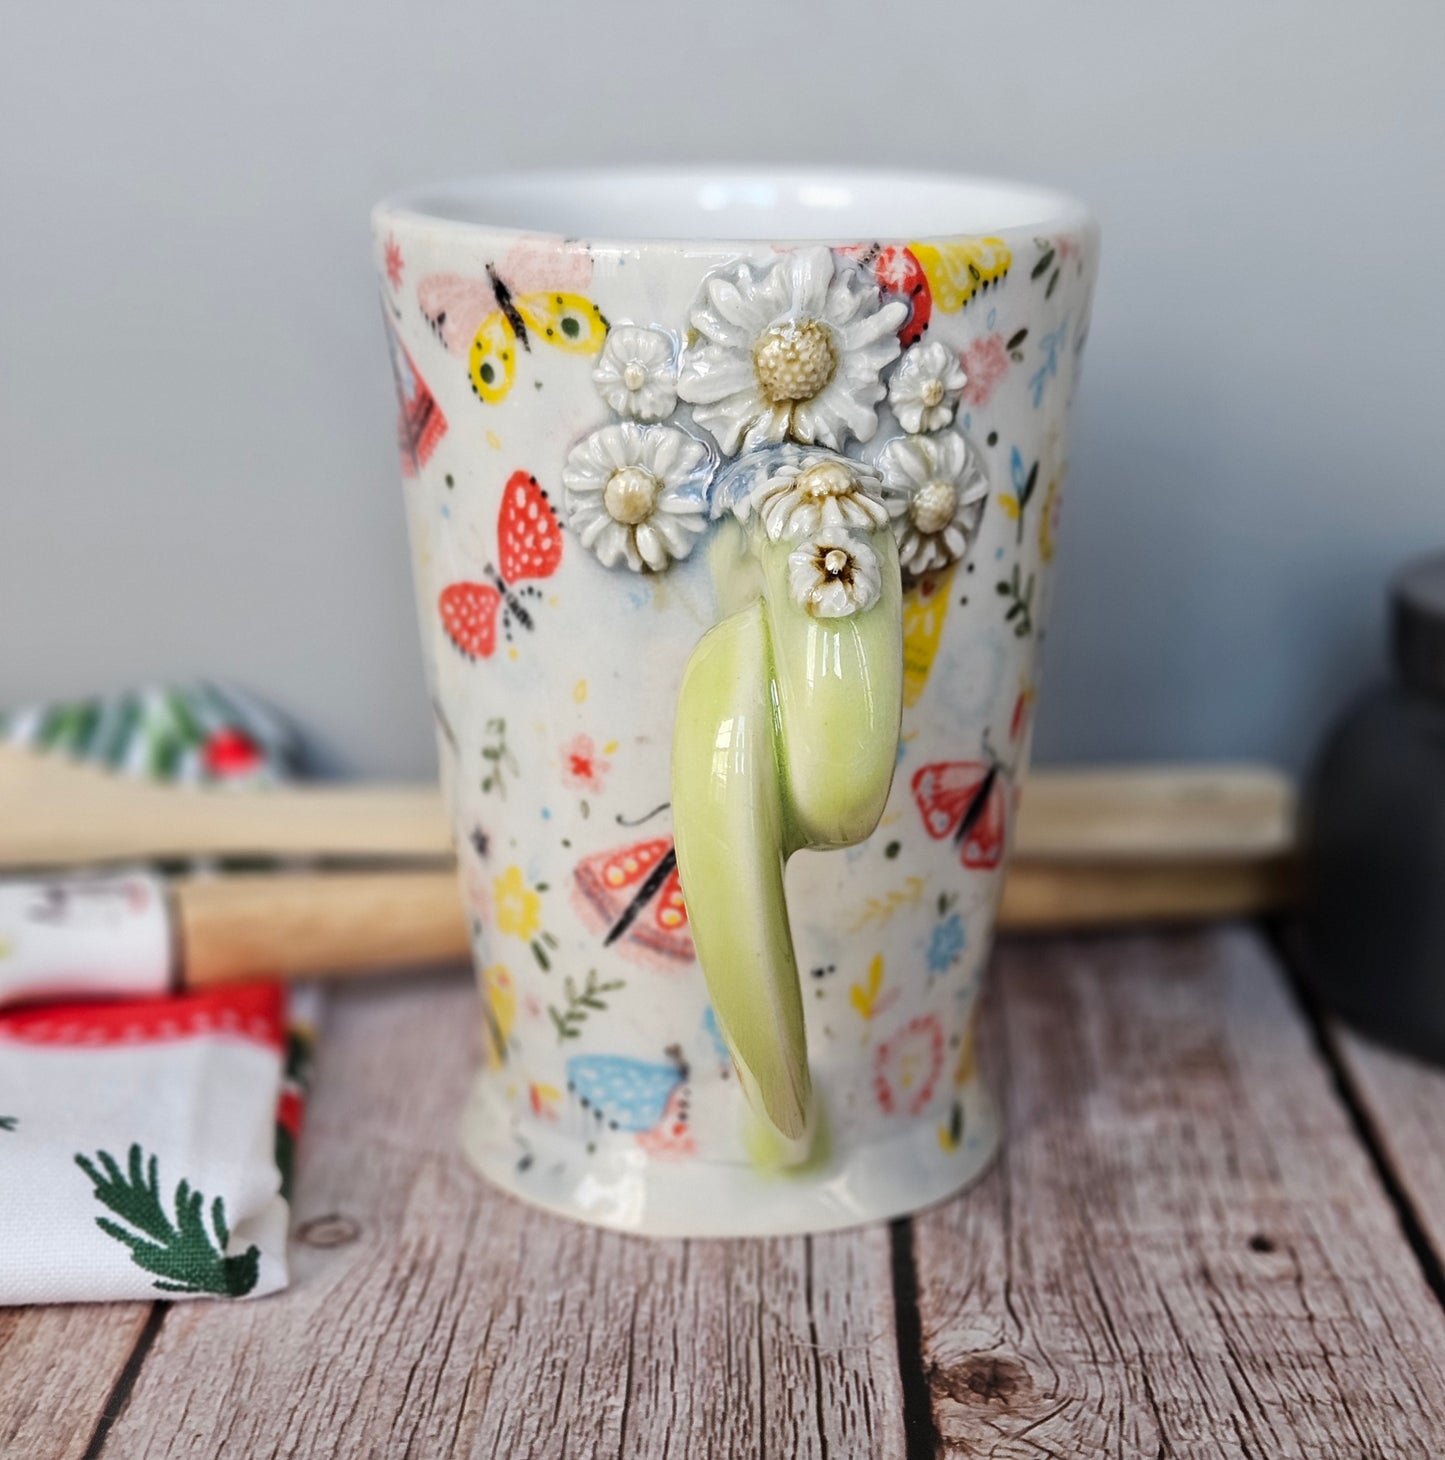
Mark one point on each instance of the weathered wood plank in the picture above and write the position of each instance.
(433, 1317)
(1185, 1250)
(1404, 1101)
(58, 1367)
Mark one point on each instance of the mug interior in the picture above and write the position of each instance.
(743, 206)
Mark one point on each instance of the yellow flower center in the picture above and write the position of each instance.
(634, 375)
(795, 360)
(931, 395)
(826, 479)
(933, 506)
(630, 495)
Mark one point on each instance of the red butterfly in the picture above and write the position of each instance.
(420, 423)
(895, 268)
(633, 896)
(967, 800)
(529, 544)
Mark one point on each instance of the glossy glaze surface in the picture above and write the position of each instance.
(571, 498)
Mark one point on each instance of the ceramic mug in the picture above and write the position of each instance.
(733, 501)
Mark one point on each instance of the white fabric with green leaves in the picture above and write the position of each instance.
(146, 1138)
(141, 1161)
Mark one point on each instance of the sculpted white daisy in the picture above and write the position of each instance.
(834, 574)
(636, 373)
(925, 388)
(936, 492)
(817, 490)
(635, 494)
(789, 349)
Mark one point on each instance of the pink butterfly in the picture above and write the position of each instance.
(533, 295)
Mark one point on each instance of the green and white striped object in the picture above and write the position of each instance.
(191, 733)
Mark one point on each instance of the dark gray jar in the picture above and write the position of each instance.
(1375, 835)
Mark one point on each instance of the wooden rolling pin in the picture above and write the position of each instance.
(132, 932)
(349, 924)
(345, 925)
(55, 812)
(352, 924)
(316, 924)
(1093, 848)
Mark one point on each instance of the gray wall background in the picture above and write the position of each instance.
(195, 406)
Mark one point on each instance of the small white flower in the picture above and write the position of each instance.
(936, 492)
(635, 494)
(636, 373)
(791, 349)
(819, 489)
(925, 388)
(834, 574)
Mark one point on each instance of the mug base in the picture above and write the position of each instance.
(628, 1190)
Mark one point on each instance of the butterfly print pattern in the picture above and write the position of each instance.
(632, 898)
(420, 423)
(531, 297)
(965, 800)
(962, 269)
(924, 610)
(627, 1094)
(529, 545)
(603, 1058)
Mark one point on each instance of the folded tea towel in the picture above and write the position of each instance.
(146, 1137)
(145, 1145)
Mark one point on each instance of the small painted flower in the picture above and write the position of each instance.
(394, 264)
(906, 1066)
(834, 574)
(817, 490)
(636, 373)
(946, 944)
(790, 349)
(637, 495)
(583, 769)
(985, 362)
(925, 388)
(936, 492)
(518, 907)
(478, 892)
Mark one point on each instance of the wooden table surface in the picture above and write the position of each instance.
(1217, 1229)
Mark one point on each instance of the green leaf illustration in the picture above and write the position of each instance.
(569, 1019)
(184, 1255)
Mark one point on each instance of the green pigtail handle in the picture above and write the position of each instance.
(786, 736)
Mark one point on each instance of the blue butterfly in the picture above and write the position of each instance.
(714, 1032)
(628, 1094)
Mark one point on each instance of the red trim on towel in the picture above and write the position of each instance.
(253, 1011)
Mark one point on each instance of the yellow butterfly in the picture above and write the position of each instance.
(961, 268)
(923, 614)
(488, 319)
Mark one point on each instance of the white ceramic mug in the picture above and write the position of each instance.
(733, 501)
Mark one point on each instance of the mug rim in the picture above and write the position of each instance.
(463, 206)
